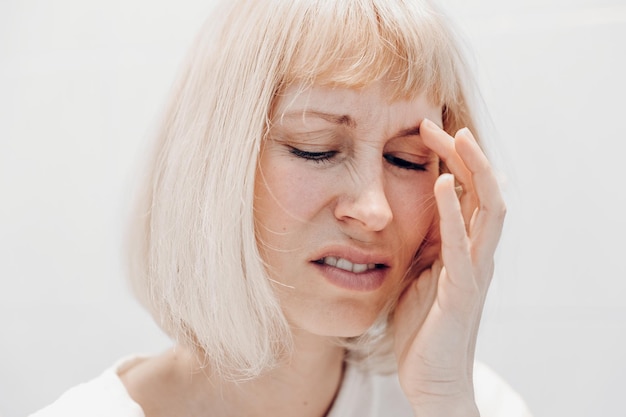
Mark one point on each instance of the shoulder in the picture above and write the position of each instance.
(366, 394)
(104, 396)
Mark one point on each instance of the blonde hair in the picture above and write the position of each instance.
(194, 260)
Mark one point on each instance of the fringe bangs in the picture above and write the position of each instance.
(353, 44)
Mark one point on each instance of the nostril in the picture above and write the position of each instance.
(371, 212)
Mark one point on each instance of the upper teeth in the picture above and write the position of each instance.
(347, 265)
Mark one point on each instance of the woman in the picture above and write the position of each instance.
(318, 210)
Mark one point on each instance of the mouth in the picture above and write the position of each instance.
(346, 265)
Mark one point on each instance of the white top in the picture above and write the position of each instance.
(361, 394)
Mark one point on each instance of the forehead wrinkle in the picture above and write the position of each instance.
(338, 119)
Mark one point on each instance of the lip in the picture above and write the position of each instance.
(354, 255)
(369, 280)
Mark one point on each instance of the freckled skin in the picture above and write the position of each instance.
(355, 198)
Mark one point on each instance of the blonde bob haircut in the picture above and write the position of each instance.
(194, 260)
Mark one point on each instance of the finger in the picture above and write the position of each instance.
(469, 200)
(443, 145)
(487, 223)
(486, 228)
(455, 247)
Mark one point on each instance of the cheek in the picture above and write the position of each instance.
(286, 195)
(414, 209)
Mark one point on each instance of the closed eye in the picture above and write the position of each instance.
(403, 163)
(312, 156)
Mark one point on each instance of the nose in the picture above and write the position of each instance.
(365, 205)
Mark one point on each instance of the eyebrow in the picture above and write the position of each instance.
(346, 120)
(411, 131)
(337, 119)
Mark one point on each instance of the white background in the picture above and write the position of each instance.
(81, 84)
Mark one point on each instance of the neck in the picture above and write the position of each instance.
(304, 385)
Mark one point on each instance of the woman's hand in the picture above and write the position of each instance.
(437, 317)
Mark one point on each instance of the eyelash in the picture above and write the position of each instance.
(404, 164)
(321, 157)
(318, 157)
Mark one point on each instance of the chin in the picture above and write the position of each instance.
(348, 322)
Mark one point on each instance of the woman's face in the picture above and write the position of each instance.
(343, 200)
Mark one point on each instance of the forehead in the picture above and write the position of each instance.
(351, 107)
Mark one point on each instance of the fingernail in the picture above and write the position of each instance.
(427, 123)
(446, 176)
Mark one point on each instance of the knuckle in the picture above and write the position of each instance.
(496, 208)
(500, 210)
